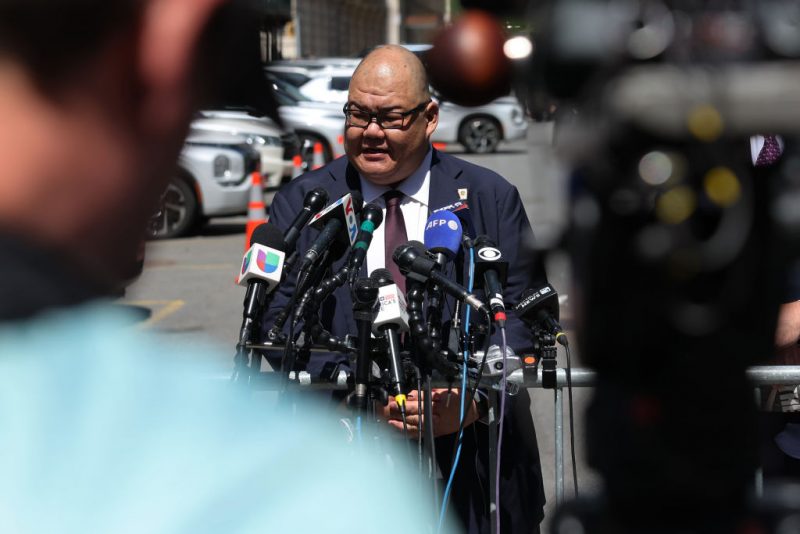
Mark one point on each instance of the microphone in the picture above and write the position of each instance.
(261, 271)
(461, 210)
(414, 262)
(443, 239)
(371, 219)
(313, 202)
(365, 293)
(391, 319)
(337, 222)
(443, 235)
(263, 261)
(540, 307)
(492, 271)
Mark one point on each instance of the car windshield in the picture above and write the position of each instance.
(282, 86)
(340, 83)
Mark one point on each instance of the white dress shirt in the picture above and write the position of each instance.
(414, 206)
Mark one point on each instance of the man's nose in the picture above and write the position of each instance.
(373, 129)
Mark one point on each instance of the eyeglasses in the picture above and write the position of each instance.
(387, 120)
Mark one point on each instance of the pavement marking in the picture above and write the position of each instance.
(198, 267)
(169, 307)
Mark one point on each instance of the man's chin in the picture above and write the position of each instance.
(377, 174)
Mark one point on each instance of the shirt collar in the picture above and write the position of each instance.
(415, 186)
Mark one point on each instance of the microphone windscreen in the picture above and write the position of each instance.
(443, 233)
(372, 212)
(268, 235)
(466, 221)
(382, 277)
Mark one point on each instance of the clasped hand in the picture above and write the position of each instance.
(446, 404)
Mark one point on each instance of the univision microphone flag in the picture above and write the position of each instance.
(262, 263)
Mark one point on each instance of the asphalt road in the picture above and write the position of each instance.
(189, 285)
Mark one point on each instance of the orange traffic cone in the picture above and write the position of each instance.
(319, 156)
(256, 210)
(297, 163)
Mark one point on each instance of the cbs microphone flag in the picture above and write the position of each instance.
(262, 263)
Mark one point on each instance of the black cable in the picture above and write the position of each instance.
(571, 421)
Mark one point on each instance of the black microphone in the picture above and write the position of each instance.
(491, 273)
(261, 267)
(365, 293)
(261, 271)
(539, 307)
(371, 219)
(391, 320)
(415, 264)
(313, 202)
(461, 210)
(337, 222)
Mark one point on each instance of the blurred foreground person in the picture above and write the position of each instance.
(102, 429)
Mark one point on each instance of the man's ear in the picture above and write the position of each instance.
(432, 114)
(170, 37)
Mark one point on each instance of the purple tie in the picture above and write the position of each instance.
(770, 152)
(394, 234)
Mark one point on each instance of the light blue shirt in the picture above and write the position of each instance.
(103, 429)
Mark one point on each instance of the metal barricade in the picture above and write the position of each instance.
(580, 377)
(778, 375)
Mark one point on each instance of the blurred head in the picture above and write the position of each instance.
(390, 79)
(96, 97)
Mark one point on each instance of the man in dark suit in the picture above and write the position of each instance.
(390, 118)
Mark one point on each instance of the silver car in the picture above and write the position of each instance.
(312, 122)
(478, 129)
(212, 178)
(275, 147)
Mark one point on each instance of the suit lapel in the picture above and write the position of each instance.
(445, 182)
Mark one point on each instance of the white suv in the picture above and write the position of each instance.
(211, 179)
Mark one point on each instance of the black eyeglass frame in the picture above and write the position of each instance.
(376, 117)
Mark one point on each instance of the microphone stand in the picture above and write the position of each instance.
(434, 310)
(304, 280)
(364, 295)
(415, 294)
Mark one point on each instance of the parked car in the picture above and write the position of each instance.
(276, 147)
(312, 122)
(328, 85)
(212, 178)
(478, 129)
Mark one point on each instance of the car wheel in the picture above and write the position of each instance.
(479, 135)
(179, 210)
(307, 142)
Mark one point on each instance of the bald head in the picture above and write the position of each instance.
(394, 64)
(390, 81)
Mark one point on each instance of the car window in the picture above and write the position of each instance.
(340, 83)
(288, 89)
(284, 99)
(293, 78)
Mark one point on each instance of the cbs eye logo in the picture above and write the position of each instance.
(489, 254)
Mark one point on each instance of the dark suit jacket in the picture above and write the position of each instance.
(496, 211)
